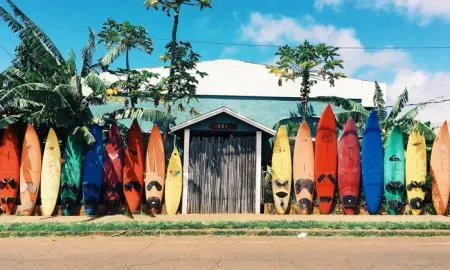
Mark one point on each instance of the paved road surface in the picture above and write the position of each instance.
(225, 253)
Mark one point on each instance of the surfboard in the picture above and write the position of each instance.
(416, 171)
(304, 169)
(325, 160)
(281, 171)
(113, 169)
(51, 174)
(174, 183)
(394, 171)
(349, 168)
(372, 164)
(440, 170)
(71, 172)
(30, 171)
(155, 166)
(93, 172)
(9, 169)
(133, 169)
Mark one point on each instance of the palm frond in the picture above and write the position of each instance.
(88, 53)
(86, 133)
(344, 103)
(146, 114)
(412, 114)
(402, 100)
(11, 119)
(71, 63)
(113, 54)
(10, 20)
(379, 103)
(360, 118)
(424, 130)
(9, 98)
(39, 33)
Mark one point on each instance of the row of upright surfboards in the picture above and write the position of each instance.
(107, 170)
(389, 172)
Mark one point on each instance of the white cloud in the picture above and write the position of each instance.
(229, 50)
(267, 29)
(424, 86)
(320, 4)
(423, 10)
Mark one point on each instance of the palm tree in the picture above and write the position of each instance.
(41, 87)
(388, 121)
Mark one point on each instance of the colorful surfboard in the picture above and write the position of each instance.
(174, 183)
(349, 168)
(30, 171)
(394, 171)
(93, 172)
(325, 160)
(281, 171)
(155, 166)
(372, 164)
(113, 169)
(9, 169)
(304, 169)
(133, 170)
(71, 172)
(440, 170)
(51, 174)
(416, 171)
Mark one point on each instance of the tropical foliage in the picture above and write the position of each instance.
(181, 84)
(44, 88)
(405, 120)
(310, 63)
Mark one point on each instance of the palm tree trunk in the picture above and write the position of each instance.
(304, 109)
(173, 60)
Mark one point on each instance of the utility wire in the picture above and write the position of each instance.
(6, 51)
(276, 46)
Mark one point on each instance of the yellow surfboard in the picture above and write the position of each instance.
(51, 174)
(281, 171)
(416, 171)
(174, 183)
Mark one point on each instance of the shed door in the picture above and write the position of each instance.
(222, 175)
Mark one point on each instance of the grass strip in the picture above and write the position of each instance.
(80, 227)
(227, 232)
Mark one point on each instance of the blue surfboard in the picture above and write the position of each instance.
(93, 173)
(372, 164)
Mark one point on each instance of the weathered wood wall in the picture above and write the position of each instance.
(222, 175)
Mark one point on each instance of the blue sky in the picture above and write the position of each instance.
(361, 23)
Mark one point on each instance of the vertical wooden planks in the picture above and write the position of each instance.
(222, 175)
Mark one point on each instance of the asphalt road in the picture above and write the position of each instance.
(224, 253)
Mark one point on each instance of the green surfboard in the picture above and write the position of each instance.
(71, 173)
(394, 172)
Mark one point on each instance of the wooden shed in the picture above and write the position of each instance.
(222, 163)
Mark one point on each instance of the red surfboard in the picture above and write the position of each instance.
(349, 167)
(113, 169)
(9, 169)
(325, 160)
(133, 170)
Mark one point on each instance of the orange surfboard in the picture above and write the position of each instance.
(30, 171)
(9, 169)
(304, 169)
(154, 170)
(133, 169)
(440, 170)
(325, 160)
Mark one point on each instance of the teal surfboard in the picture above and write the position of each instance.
(71, 173)
(394, 171)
